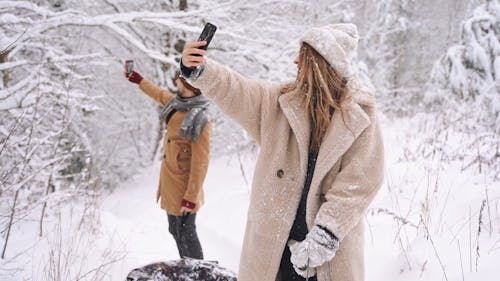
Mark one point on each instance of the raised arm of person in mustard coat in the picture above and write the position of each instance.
(160, 95)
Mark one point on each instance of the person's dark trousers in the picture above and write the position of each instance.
(183, 229)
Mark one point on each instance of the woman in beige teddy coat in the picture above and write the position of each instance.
(320, 164)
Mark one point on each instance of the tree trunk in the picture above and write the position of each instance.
(49, 188)
(183, 5)
(11, 219)
(3, 58)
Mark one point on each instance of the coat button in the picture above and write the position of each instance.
(280, 173)
(322, 198)
(168, 141)
(164, 156)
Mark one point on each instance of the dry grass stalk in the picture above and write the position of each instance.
(470, 241)
(434, 248)
(400, 219)
(489, 211)
(480, 223)
(461, 261)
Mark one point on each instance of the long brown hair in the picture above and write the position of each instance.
(325, 90)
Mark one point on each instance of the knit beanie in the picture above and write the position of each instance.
(337, 44)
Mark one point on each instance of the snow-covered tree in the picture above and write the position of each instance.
(66, 131)
(73, 125)
(385, 46)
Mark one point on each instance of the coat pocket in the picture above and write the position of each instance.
(183, 157)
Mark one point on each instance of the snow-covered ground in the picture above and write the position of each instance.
(142, 228)
(440, 207)
(423, 224)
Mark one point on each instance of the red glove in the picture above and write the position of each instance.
(188, 204)
(187, 207)
(135, 77)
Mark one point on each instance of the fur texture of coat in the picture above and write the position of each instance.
(349, 170)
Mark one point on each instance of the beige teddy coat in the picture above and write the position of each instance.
(348, 174)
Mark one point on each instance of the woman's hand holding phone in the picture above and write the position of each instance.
(194, 52)
(192, 55)
(130, 74)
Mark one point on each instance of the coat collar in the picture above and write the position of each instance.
(293, 109)
(345, 128)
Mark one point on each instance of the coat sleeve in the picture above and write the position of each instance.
(356, 184)
(200, 155)
(159, 94)
(240, 98)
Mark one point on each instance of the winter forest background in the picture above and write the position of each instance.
(80, 146)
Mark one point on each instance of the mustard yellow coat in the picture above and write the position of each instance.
(185, 162)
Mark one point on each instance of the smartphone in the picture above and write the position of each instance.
(129, 67)
(207, 34)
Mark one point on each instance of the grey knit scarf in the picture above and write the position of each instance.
(196, 117)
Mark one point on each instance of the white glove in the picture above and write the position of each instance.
(319, 247)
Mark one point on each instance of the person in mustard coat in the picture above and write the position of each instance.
(185, 158)
(320, 163)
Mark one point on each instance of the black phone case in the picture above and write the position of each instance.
(207, 34)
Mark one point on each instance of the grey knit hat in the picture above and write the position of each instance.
(337, 43)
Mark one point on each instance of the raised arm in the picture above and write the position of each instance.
(240, 98)
(160, 95)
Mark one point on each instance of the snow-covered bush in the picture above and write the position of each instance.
(463, 96)
(471, 69)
